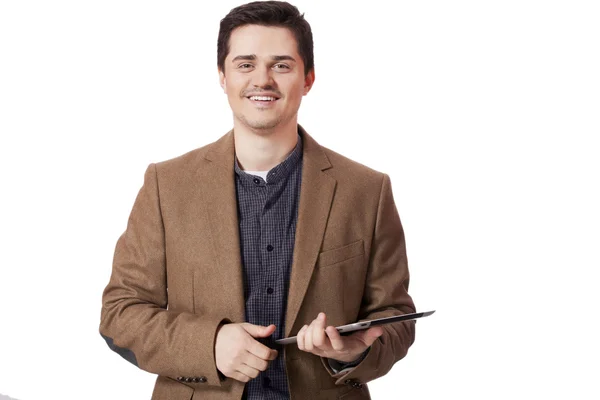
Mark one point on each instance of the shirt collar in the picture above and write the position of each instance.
(276, 173)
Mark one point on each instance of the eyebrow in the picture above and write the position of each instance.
(252, 57)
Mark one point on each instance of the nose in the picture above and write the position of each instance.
(262, 77)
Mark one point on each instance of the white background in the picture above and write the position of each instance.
(484, 114)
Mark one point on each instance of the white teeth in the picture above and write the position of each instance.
(262, 98)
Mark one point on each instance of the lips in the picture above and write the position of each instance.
(262, 98)
(263, 94)
(263, 101)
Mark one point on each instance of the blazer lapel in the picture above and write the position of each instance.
(316, 194)
(219, 196)
(220, 200)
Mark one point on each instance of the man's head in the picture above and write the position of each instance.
(265, 48)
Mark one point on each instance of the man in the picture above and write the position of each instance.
(260, 235)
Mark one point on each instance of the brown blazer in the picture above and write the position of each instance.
(177, 272)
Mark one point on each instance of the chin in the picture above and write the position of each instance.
(265, 124)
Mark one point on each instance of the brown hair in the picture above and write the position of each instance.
(267, 13)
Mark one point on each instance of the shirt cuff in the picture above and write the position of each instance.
(340, 366)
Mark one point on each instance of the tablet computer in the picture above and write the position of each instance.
(358, 326)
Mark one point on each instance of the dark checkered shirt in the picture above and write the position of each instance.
(268, 213)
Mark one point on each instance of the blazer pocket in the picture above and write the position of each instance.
(339, 254)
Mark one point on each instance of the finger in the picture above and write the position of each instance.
(369, 336)
(245, 369)
(372, 334)
(300, 337)
(258, 331)
(308, 337)
(238, 376)
(337, 342)
(254, 362)
(319, 338)
(261, 351)
(273, 355)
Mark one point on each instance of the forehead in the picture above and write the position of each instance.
(263, 41)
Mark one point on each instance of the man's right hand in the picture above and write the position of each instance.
(238, 355)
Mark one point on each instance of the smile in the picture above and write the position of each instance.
(262, 98)
(263, 101)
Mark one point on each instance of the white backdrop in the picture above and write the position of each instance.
(484, 114)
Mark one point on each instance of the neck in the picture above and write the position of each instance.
(261, 150)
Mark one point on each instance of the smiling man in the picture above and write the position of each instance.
(260, 235)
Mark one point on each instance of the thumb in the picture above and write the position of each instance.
(371, 334)
(259, 330)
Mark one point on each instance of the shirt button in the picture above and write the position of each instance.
(257, 181)
(269, 248)
(270, 290)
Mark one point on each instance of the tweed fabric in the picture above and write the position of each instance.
(177, 272)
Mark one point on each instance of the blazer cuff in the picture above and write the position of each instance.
(186, 354)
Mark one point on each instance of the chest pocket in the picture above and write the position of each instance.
(339, 254)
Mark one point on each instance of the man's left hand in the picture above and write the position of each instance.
(327, 342)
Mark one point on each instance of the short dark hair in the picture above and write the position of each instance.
(267, 13)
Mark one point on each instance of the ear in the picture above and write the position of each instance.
(308, 81)
(222, 81)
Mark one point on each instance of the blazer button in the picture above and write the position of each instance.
(357, 385)
(188, 379)
(202, 379)
(348, 382)
(180, 378)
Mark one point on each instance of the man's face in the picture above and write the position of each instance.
(264, 61)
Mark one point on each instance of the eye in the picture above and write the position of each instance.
(282, 66)
(243, 66)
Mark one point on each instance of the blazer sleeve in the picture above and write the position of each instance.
(135, 321)
(385, 295)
